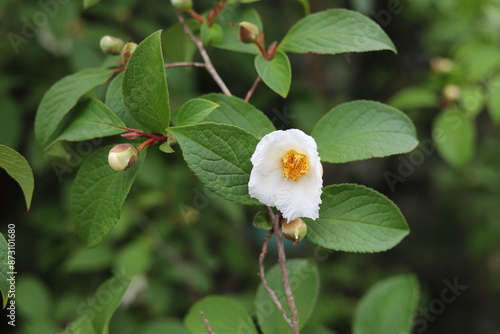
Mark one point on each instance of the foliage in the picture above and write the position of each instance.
(176, 227)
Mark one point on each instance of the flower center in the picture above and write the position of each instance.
(295, 165)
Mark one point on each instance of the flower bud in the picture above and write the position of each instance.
(127, 51)
(111, 45)
(182, 5)
(451, 93)
(441, 65)
(295, 230)
(122, 156)
(248, 32)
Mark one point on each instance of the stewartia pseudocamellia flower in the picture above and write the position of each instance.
(287, 174)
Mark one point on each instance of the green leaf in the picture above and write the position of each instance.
(19, 169)
(262, 220)
(219, 155)
(353, 218)
(388, 307)
(4, 270)
(276, 73)
(414, 98)
(231, 34)
(455, 136)
(361, 130)
(93, 119)
(29, 289)
(184, 49)
(211, 35)
(235, 111)
(90, 3)
(335, 31)
(224, 315)
(195, 111)
(98, 194)
(494, 99)
(114, 100)
(170, 326)
(472, 99)
(145, 91)
(306, 6)
(60, 98)
(96, 312)
(316, 329)
(113, 289)
(304, 281)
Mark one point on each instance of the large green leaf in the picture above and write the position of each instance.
(219, 155)
(61, 97)
(19, 169)
(145, 91)
(4, 270)
(93, 119)
(224, 315)
(354, 218)
(114, 100)
(388, 307)
(96, 312)
(230, 33)
(361, 130)
(98, 194)
(195, 111)
(184, 47)
(454, 135)
(235, 111)
(335, 31)
(304, 281)
(276, 73)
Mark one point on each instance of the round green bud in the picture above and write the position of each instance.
(127, 51)
(122, 156)
(182, 5)
(248, 32)
(295, 230)
(111, 45)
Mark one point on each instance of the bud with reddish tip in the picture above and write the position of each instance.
(111, 45)
(295, 230)
(127, 51)
(122, 156)
(182, 5)
(248, 32)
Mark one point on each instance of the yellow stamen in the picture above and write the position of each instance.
(295, 165)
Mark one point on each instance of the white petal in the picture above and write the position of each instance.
(301, 198)
(263, 186)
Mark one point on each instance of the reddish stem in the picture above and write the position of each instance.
(145, 144)
(195, 15)
(214, 12)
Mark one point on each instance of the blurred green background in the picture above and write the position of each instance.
(183, 243)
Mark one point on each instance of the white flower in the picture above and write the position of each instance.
(287, 174)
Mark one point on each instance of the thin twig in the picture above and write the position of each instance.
(284, 273)
(206, 58)
(207, 324)
(178, 64)
(252, 90)
(264, 282)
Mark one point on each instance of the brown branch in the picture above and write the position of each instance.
(178, 64)
(206, 58)
(262, 276)
(252, 89)
(294, 326)
(207, 324)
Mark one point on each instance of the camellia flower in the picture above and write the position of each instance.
(287, 174)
